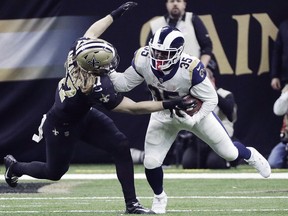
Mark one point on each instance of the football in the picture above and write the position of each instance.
(196, 104)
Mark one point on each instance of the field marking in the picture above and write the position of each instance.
(170, 176)
(121, 212)
(121, 198)
(168, 211)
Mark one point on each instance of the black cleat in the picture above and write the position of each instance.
(137, 208)
(10, 178)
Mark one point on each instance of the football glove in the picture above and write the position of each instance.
(185, 118)
(122, 9)
(178, 103)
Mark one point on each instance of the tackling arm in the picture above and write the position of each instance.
(145, 107)
(97, 28)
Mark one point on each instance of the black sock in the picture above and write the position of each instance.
(155, 179)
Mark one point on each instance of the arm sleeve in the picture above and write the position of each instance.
(124, 82)
(281, 105)
(202, 36)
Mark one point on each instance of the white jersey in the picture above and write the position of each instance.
(187, 76)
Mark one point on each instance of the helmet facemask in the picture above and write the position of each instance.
(165, 48)
(163, 59)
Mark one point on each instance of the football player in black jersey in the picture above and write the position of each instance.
(73, 117)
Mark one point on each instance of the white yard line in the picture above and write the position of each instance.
(168, 211)
(142, 197)
(172, 176)
(75, 211)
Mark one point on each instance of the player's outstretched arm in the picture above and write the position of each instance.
(144, 107)
(122, 9)
(100, 26)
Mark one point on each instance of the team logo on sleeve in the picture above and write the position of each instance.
(202, 72)
(200, 69)
(55, 132)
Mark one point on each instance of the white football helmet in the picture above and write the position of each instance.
(98, 55)
(165, 48)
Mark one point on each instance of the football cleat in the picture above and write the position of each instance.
(159, 203)
(137, 208)
(259, 163)
(10, 178)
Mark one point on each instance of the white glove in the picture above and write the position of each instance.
(186, 119)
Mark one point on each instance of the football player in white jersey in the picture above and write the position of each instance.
(169, 73)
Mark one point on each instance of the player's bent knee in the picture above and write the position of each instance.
(56, 175)
(151, 162)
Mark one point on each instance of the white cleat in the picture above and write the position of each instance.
(259, 163)
(159, 203)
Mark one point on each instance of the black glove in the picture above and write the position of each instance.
(122, 9)
(178, 103)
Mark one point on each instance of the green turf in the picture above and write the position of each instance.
(201, 197)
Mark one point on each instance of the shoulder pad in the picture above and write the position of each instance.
(140, 57)
(197, 71)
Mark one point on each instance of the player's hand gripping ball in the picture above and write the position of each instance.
(195, 104)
